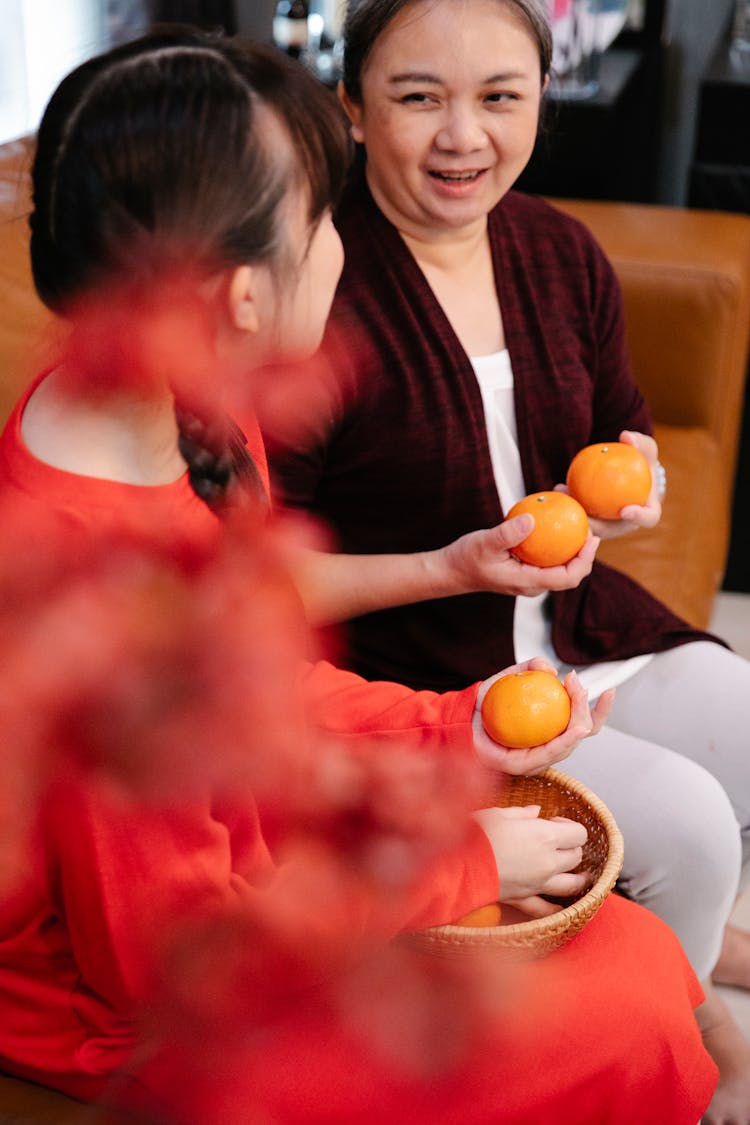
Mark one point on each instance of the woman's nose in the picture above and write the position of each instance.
(460, 132)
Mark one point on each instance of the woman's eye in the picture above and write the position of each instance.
(414, 98)
(499, 97)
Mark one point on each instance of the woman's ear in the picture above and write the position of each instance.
(242, 299)
(353, 111)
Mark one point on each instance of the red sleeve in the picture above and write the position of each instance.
(455, 883)
(450, 885)
(378, 713)
(341, 702)
(123, 873)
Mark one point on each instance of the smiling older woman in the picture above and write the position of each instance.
(487, 347)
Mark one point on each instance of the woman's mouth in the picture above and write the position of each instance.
(447, 177)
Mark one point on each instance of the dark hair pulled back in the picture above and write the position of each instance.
(155, 157)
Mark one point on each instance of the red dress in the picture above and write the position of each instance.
(602, 1031)
(595, 1034)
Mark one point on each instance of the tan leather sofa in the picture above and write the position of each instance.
(686, 283)
(22, 316)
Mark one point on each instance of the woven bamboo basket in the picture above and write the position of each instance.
(558, 795)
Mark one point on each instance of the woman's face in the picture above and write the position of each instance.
(311, 284)
(293, 301)
(293, 296)
(450, 106)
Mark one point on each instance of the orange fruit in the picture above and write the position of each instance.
(524, 709)
(607, 476)
(561, 528)
(483, 916)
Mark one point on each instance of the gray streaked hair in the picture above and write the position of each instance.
(366, 20)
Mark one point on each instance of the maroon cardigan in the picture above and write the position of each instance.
(400, 460)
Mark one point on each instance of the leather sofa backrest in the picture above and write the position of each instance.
(23, 318)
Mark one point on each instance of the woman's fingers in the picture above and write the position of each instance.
(517, 763)
(483, 560)
(569, 858)
(530, 907)
(520, 763)
(568, 833)
(643, 442)
(571, 574)
(600, 711)
(581, 723)
(532, 580)
(534, 856)
(566, 884)
(584, 721)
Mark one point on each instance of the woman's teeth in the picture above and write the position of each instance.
(455, 177)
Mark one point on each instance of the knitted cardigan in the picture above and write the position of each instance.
(399, 460)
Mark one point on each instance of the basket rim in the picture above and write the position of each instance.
(539, 927)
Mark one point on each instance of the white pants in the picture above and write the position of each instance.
(673, 766)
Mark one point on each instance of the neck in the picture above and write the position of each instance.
(441, 248)
(114, 435)
(448, 251)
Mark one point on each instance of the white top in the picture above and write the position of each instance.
(531, 629)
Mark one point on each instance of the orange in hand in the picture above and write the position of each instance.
(561, 528)
(483, 916)
(525, 709)
(607, 476)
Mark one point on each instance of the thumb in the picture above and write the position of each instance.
(513, 531)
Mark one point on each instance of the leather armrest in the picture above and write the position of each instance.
(682, 560)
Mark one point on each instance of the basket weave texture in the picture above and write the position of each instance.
(558, 795)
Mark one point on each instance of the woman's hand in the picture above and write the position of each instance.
(534, 856)
(633, 516)
(584, 721)
(338, 587)
(482, 561)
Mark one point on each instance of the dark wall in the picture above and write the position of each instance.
(201, 13)
(255, 18)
